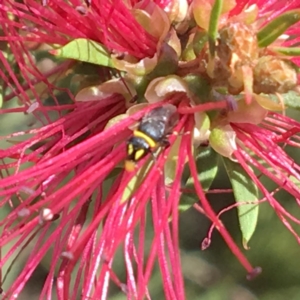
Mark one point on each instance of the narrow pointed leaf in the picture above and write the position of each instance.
(86, 51)
(244, 190)
(290, 51)
(207, 167)
(135, 182)
(277, 27)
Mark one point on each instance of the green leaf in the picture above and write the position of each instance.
(136, 181)
(207, 166)
(244, 190)
(290, 51)
(86, 51)
(277, 27)
(291, 100)
(130, 188)
(213, 25)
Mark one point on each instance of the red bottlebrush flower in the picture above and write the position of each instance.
(58, 22)
(54, 158)
(105, 67)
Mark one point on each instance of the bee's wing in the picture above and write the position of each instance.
(172, 118)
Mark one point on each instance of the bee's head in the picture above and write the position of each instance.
(137, 148)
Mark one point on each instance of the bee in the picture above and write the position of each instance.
(152, 132)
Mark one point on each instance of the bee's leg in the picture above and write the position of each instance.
(165, 142)
(154, 156)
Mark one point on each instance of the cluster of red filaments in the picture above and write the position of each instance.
(52, 149)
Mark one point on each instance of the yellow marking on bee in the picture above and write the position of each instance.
(148, 139)
(138, 154)
(130, 149)
(129, 165)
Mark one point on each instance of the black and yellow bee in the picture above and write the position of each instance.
(151, 133)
